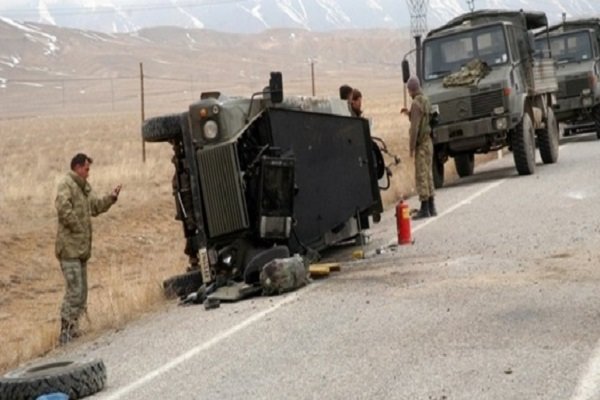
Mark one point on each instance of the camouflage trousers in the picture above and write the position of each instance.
(423, 170)
(75, 300)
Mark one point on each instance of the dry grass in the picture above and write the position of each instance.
(137, 244)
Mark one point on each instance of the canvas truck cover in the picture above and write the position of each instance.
(527, 19)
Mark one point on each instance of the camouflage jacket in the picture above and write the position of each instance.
(75, 205)
(420, 129)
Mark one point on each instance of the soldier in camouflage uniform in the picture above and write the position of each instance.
(421, 147)
(75, 205)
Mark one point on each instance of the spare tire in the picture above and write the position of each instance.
(77, 379)
(164, 128)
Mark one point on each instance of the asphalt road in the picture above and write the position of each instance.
(498, 298)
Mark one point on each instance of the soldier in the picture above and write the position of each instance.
(345, 92)
(355, 102)
(421, 147)
(75, 205)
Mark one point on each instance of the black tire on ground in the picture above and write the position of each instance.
(162, 129)
(182, 285)
(523, 146)
(465, 164)
(77, 379)
(548, 139)
(596, 116)
(438, 171)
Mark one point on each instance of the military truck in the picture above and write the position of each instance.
(487, 90)
(264, 177)
(575, 45)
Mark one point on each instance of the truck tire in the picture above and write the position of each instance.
(548, 139)
(162, 129)
(438, 171)
(596, 116)
(77, 379)
(182, 285)
(523, 145)
(465, 164)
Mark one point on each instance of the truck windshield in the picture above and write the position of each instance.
(448, 54)
(568, 47)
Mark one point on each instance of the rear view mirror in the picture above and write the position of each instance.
(276, 87)
(405, 70)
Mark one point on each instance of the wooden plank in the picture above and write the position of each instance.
(317, 271)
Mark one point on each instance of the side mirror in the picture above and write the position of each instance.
(405, 70)
(531, 40)
(276, 87)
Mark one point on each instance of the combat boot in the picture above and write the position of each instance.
(74, 331)
(65, 332)
(423, 212)
(432, 210)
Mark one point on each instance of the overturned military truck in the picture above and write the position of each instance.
(575, 45)
(487, 90)
(261, 178)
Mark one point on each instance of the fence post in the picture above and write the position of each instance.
(142, 105)
(112, 94)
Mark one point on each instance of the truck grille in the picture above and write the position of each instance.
(222, 192)
(483, 104)
(572, 88)
(477, 106)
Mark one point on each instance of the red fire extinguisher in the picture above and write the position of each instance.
(403, 223)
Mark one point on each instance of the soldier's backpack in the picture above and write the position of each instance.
(283, 275)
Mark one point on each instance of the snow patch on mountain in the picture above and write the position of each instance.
(34, 34)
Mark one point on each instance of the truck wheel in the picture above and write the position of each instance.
(438, 171)
(162, 129)
(548, 139)
(182, 285)
(596, 115)
(523, 145)
(465, 164)
(77, 379)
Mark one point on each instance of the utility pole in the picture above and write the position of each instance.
(143, 112)
(312, 74)
(471, 4)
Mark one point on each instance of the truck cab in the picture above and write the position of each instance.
(575, 45)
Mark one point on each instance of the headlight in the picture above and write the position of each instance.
(587, 101)
(586, 92)
(210, 129)
(499, 110)
(501, 124)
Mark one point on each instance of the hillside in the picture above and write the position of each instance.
(45, 69)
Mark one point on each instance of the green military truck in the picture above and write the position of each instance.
(575, 45)
(487, 90)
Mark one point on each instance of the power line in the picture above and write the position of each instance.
(129, 8)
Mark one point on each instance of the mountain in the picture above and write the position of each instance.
(251, 16)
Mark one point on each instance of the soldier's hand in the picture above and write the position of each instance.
(404, 111)
(115, 192)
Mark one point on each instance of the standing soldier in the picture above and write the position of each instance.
(421, 147)
(75, 205)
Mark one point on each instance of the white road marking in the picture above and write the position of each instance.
(588, 386)
(123, 391)
(460, 204)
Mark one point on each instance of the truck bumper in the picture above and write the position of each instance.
(470, 135)
(572, 109)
